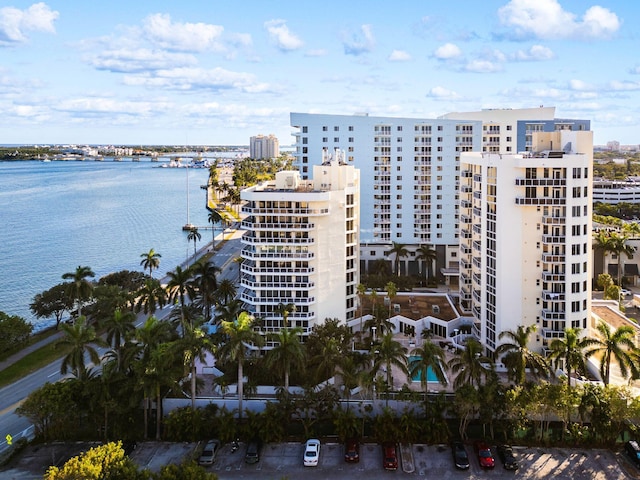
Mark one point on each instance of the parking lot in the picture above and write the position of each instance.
(284, 461)
(280, 461)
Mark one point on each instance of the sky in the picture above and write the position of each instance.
(215, 72)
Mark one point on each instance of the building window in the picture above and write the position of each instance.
(399, 128)
(305, 129)
(325, 139)
(372, 253)
(399, 149)
(336, 129)
(351, 139)
(350, 128)
(509, 127)
(336, 139)
(324, 129)
(305, 140)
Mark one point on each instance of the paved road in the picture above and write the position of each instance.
(12, 395)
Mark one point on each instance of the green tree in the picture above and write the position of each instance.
(213, 218)
(389, 353)
(429, 356)
(284, 310)
(79, 288)
(518, 357)
(392, 291)
(53, 302)
(398, 250)
(240, 335)
(226, 292)
(618, 344)
(151, 297)
(194, 235)
(205, 284)
(151, 261)
(14, 332)
(193, 346)
(79, 338)
(570, 351)
(287, 354)
(180, 287)
(469, 364)
(427, 255)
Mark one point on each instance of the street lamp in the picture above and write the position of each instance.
(373, 329)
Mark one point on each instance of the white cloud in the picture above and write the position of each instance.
(534, 54)
(185, 37)
(580, 86)
(359, 43)
(399, 56)
(624, 86)
(447, 51)
(442, 93)
(319, 52)
(187, 79)
(547, 19)
(482, 66)
(281, 36)
(15, 23)
(142, 59)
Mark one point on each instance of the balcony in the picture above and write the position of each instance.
(270, 285)
(552, 296)
(553, 277)
(553, 316)
(551, 334)
(541, 182)
(272, 255)
(553, 220)
(252, 299)
(245, 267)
(309, 212)
(551, 258)
(554, 238)
(540, 201)
(255, 240)
(251, 225)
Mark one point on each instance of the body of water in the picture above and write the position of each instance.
(55, 216)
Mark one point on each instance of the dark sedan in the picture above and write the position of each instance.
(352, 451)
(505, 452)
(460, 457)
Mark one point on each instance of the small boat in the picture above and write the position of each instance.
(187, 227)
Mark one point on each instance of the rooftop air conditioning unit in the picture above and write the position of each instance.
(396, 308)
(435, 308)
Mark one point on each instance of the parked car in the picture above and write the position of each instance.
(208, 455)
(485, 457)
(624, 292)
(389, 456)
(633, 450)
(505, 452)
(252, 454)
(311, 452)
(352, 450)
(460, 457)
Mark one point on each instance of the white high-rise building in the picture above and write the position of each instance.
(301, 246)
(263, 147)
(525, 237)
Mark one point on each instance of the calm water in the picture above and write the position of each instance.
(55, 216)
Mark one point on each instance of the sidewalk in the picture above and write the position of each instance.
(27, 350)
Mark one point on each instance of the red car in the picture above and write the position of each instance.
(352, 451)
(389, 456)
(485, 457)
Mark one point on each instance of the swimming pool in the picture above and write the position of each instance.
(431, 377)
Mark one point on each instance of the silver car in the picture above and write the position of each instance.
(208, 455)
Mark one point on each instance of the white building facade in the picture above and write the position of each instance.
(264, 147)
(301, 246)
(525, 237)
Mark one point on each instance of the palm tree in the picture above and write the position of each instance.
(79, 337)
(399, 251)
(428, 255)
(205, 283)
(287, 354)
(389, 352)
(226, 292)
(240, 335)
(429, 356)
(620, 247)
(193, 346)
(470, 364)
(213, 218)
(119, 327)
(180, 286)
(229, 311)
(151, 296)
(517, 355)
(360, 291)
(194, 235)
(150, 260)
(284, 310)
(570, 350)
(392, 291)
(79, 288)
(617, 344)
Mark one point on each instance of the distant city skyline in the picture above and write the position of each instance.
(204, 73)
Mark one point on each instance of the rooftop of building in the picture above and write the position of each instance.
(414, 305)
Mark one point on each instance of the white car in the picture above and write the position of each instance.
(311, 453)
(624, 292)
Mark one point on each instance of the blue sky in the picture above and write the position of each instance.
(217, 72)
